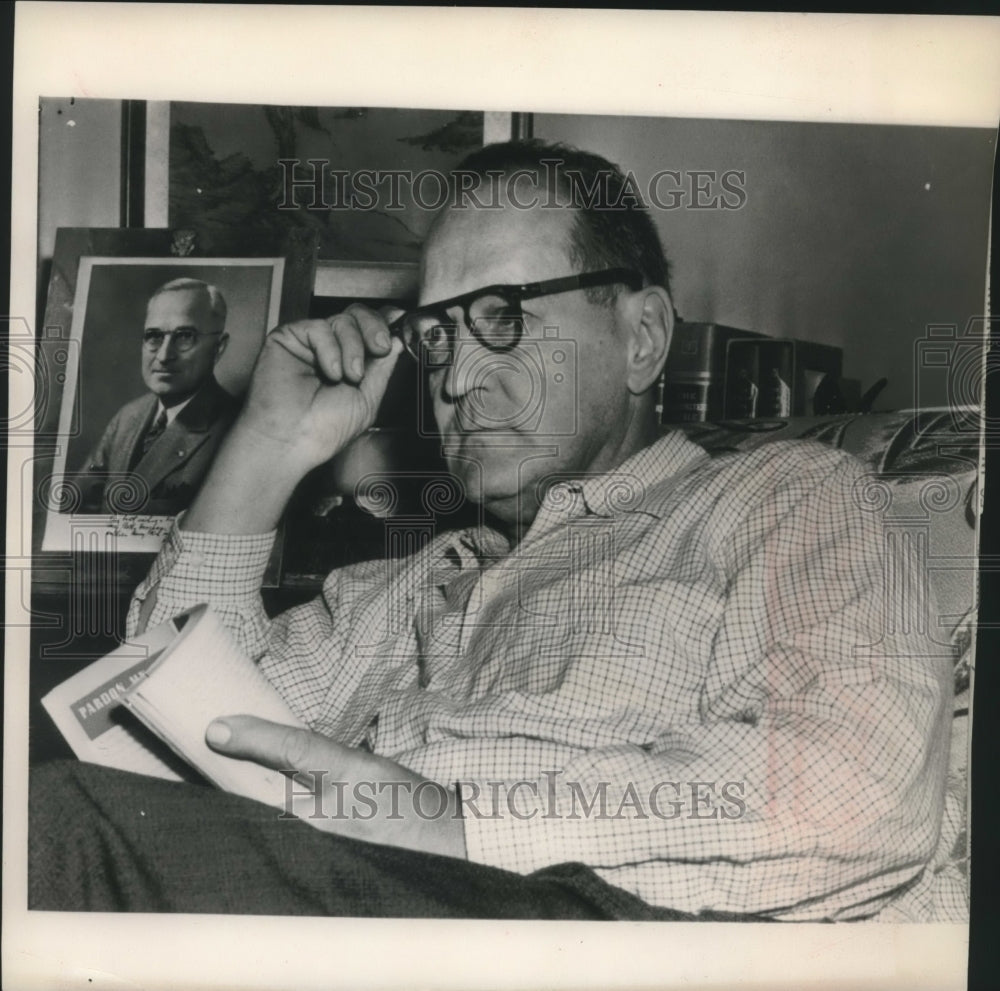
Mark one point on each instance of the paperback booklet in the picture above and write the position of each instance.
(145, 706)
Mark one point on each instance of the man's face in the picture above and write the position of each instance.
(556, 404)
(170, 374)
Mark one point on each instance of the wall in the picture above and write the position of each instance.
(854, 235)
(79, 174)
(79, 166)
(850, 234)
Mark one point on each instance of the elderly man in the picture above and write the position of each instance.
(168, 437)
(650, 685)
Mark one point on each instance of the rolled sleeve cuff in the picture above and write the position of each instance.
(226, 566)
(194, 567)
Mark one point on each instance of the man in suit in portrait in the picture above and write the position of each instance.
(166, 439)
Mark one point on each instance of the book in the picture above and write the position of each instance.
(693, 383)
(145, 706)
(776, 376)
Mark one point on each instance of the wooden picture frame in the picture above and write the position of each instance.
(101, 278)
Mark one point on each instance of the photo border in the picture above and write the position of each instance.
(125, 532)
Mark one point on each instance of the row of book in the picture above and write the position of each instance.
(714, 372)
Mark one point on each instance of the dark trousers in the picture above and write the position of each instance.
(106, 840)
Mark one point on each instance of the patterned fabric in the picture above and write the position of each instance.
(926, 463)
(911, 442)
(718, 646)
(923, 464)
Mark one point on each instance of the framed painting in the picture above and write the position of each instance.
(361, 179)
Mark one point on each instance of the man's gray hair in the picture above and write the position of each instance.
(216, 301)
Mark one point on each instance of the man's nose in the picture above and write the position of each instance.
(167, 348)
(471, 364)
(460, 374)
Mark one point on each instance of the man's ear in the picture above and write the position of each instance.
(650, 314)
(220, 347)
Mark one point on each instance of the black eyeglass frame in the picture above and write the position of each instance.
(164, 334)
(516, 294)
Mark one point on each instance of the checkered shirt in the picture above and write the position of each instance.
(702, 677)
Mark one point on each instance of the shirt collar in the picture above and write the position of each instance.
(173, 410)
(629, 487)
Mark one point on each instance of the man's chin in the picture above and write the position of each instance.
(160, 385)
(167, 390)
(494, 485)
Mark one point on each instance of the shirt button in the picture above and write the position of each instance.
(181, 454)
(196, 559)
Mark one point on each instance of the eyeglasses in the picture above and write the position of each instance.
(493, 314)
(183, 339)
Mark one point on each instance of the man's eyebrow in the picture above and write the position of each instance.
(187, 326)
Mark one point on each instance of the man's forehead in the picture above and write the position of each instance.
(471, 247)
(192, 303)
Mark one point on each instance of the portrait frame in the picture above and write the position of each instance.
(66, 544)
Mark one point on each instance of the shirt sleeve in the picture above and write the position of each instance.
(223, 570)
(299, 651)
(811, 786)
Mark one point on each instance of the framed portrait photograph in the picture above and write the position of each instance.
(145, 356)
(160, 355)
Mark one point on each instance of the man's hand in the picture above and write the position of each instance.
(317, 385)
(347, 791)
